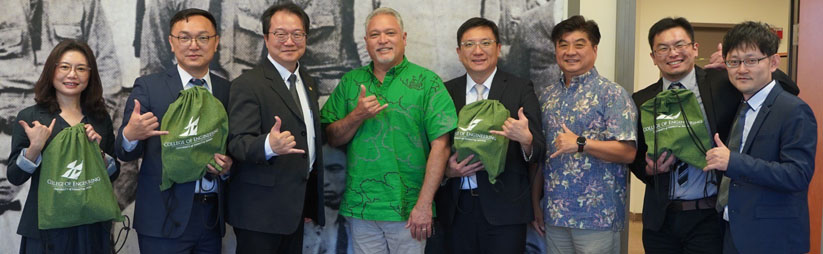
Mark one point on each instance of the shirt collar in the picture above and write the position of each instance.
(689, 81)
(397, 68)
(284, 73)
(488, 83)
(759, 97)
(185, 77)
(582, 78)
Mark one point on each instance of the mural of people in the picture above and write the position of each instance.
(30, 28)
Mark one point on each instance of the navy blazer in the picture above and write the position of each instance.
(768, 203)
(508, 201)
(272, 196)
(162, 214)
(19, 140)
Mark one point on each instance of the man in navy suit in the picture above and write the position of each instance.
(769, 160)
(188, 217)
(480, 217)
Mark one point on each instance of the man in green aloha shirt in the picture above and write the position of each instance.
(394, 117)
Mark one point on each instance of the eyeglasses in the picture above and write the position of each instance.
(748, 62)
(663, 50)
(79, 69)
(296, 36)
(200, 39)
(484, 44)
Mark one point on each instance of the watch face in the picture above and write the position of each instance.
(581, 140)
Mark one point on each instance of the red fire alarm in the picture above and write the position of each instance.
(778, 31)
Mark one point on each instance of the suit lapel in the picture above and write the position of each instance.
(173, 84)
(707, 98)
(498, 87)
(277, 84)
(460, 93)
(309, 88)
(762, 114)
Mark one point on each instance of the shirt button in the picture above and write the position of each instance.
(305, 156)
(303, 133)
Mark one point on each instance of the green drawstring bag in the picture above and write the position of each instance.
(472, 135)
(673, 121)
(74, 186)
(198, 126)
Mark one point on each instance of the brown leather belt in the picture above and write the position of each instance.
(697, 204)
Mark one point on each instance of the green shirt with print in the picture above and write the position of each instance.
(387, 156)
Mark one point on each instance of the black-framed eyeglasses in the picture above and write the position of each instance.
(200, 39)
(751, 62)
(484, 44)
(296, 36)
(665, 49)
(79, 69)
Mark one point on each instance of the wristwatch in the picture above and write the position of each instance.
(581, 142)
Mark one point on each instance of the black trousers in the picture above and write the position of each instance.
(258, 242)
(694, 231)
(89, 238)
(470, 232)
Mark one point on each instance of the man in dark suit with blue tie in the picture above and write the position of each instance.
(188, 217)
(769, 161)
(478, 216)
(275, 137)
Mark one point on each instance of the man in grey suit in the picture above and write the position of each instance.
(274, 129)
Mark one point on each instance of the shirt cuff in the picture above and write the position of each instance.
(25, 164)
(267, 148)
(129, 145)
(527, 158)
(111, 166)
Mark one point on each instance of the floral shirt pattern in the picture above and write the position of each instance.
(582, 191)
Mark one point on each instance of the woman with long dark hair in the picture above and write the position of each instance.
(69, 92)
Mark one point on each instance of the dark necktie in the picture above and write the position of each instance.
(681, 167)
(342, 244)
(735, 142)
(198, 82)
(293, 89)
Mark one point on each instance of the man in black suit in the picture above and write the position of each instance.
(679, 206)
(480, 217)
(275, 138)
(188, 217)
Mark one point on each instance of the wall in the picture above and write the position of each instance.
(603, 12)
(775, 12)
(809, 59)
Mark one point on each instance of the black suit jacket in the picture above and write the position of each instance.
(272, 196)
(508, 201)
(768, 202)
(19, 140)
(162, 214)
(720, 100)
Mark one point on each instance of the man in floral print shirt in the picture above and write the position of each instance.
(589, 123)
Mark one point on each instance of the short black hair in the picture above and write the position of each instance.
(287, 7)
(477, 22)
(185, 14)
(751, 34)
(669, 23)
(577, 23)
